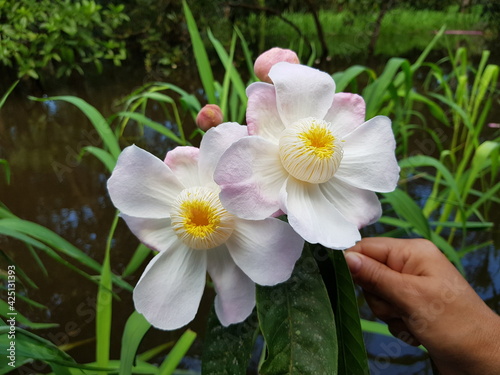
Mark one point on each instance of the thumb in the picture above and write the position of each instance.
(374, 276)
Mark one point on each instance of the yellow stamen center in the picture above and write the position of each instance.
(199, 219)
(309, 151)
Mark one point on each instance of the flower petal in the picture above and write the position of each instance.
(250, 176)
(360, 207)
(346, 113)
(141, 185)
(183, 161)
(369, 160)
(213, 144)
(266, 250)
(235, 297)
(262, 113)
(170, 289)
(157, 234)
(315, 218)
(301, 91)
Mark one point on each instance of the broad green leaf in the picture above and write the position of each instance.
(177, 353)
(297, 322)
(352, 352)
(200, 55)
(227, 350)
(133, 333)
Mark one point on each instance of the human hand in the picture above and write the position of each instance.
(410, 285)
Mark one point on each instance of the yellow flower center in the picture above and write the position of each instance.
(199, 219)
(309, 151)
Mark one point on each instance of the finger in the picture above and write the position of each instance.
(375, 277)
(399, 330)
(414, 256)
(381, 308)
(384, 249)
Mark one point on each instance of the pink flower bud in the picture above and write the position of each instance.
(209, 116)
(267, 59)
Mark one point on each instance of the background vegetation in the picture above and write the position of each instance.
(440, 101)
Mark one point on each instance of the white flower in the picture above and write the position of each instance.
(311, 154)
(174, 208)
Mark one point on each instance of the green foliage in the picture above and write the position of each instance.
(352, 352)
(298, 324)
(60, 35)
(227, 350)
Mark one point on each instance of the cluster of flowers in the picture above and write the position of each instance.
(306, 152)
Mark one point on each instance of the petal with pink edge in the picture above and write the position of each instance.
(315, 218)
(214, 143)
(170, 289)
(360, 207)
(262, 113)
(266, 250)
(141, 185)
(250, 175)
(183, 161)
(369, 160)
(157, 234)
(235, 297)
(301, 91)
(346, 113)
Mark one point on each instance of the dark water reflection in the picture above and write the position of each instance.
(49, 186)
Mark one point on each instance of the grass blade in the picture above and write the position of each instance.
(200, 55)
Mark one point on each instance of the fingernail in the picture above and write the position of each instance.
(353, 262)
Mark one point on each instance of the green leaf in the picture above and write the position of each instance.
(352, 352)
(105, 157)
(105, 303)
(407, 209)
(227, 350)
(177, 353)
(135, 329)
(343, 79)
(297, 322)
(200, 55)
(140, 254)
(31, 346)
(6, 168)
(156, 126)
(98, 121)
(7, 93)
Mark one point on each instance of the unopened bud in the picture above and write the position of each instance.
(209, 116)
(267, 59)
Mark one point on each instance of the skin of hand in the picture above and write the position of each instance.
(410, 285)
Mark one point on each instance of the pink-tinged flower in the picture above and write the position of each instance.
(174, 208)
(311, 154)
(209, 116)
(266, 60)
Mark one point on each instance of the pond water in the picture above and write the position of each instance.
(49, 186)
